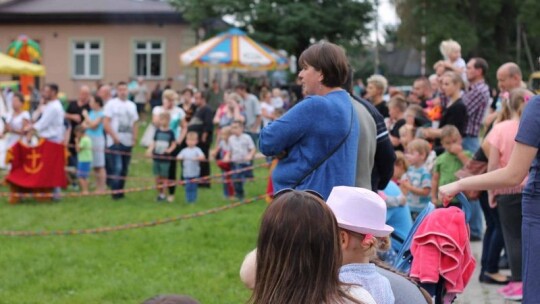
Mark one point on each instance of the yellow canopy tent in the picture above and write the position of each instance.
(12, 66)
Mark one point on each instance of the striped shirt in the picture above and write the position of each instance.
(476, 100)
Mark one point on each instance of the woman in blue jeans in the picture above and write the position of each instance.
(524, 159)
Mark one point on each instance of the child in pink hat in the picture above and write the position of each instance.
(361, 217)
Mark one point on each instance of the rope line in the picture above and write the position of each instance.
(157, 222)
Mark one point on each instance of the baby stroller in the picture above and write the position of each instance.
(437, 251)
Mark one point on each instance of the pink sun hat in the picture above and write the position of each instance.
(359, 210)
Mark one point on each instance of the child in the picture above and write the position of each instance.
(416, 183)
(83, 145)
(93, 122)
(242, 152)
(451, 51)
(219, 154)
(361, 216)
(398, 214)
(406, 135)
(191, 157)
(162, 146)
(449, 162)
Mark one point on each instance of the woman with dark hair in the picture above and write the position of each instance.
(316, 140)
(299, 254)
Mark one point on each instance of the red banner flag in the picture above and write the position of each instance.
(41, 166)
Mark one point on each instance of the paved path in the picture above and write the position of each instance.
(478, 293)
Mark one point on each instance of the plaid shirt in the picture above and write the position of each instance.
(476, 100)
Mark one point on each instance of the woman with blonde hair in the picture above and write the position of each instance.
(455, 112)
(178, 125)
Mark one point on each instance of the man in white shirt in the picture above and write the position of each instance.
(50, 124)
(120, 125)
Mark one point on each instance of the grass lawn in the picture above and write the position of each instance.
(199, 257)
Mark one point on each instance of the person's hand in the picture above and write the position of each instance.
(448, 191)
(435, 200)
(148, 153)
(455, 149)
(405, 184)
(85, 113)
(248, 158)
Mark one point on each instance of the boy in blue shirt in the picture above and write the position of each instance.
(191, 157)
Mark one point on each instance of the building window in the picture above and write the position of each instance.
(87, 57)
(149, 59)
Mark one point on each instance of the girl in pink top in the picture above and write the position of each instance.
(501, 141)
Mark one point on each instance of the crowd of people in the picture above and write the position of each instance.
(377, 156)
(100, 128)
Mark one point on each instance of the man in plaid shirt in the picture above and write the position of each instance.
(476, 98)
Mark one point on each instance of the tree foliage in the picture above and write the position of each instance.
(485, 28)
(291, 25)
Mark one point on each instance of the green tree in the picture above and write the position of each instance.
(291, 25)
(485, 28)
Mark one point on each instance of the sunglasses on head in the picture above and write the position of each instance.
(286, 190)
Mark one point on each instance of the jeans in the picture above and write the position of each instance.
(471, 144)
(531, 243)
(493, 242)
(191, 189)
(239, 178)
(475, 222)
(119, 165)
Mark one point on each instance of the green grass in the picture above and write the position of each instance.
(199, 257)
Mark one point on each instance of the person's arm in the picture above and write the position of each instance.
(282, 133)
(237, 114)
(458, 151)
(78, 144)
(395, 141)
(248, 269)
(493, 164)
(383, 167)
(150, 148)
(135, 131)
(418, 190)
(512, 175)
(183, 131)
(434, 187)
(108, 129)
(171, 148)
(217, 116)
(155, 118)
(208, 125)
(135, 126)
(394, 201)
(201, 156)
(94, 124)
(257, 123)
(46, 119)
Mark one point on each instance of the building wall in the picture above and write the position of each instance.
(118, 50)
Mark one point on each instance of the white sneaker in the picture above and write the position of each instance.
(170, 198)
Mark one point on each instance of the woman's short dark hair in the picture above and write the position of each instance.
(330, 60)
(98, 100)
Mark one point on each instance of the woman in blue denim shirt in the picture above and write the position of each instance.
(525, 159)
